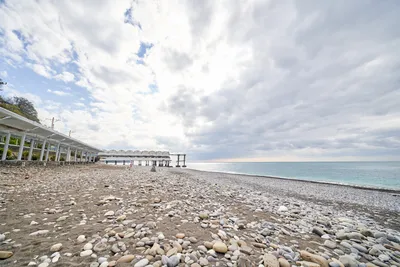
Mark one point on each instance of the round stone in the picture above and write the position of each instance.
(86, 253)
(56, 247)
(180, 235)
(220, 247)
(88, 246)
(81, 239)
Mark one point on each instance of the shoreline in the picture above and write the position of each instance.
(366, 187)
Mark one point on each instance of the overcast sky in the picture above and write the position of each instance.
(220, 80)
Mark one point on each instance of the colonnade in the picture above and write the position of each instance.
(45, 146)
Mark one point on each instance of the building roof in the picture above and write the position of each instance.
(136, 153)
(16, 124)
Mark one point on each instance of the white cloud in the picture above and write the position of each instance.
(231, 79)
(65, 76)
(57, 92)
(45, 71)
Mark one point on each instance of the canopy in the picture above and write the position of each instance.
(16, 124)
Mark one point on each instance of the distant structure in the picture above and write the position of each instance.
(142, 158)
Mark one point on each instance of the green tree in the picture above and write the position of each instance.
(26, 107)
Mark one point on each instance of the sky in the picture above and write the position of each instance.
(220, 80)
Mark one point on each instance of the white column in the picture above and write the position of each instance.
(42, 151)
(5, 148)
(68, 154)
(57, 151)
(31, 149)
(76, 152)
(21, 146)
(48, 151)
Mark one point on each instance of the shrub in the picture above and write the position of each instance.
(9, 153)
(25, 155)
(35, 156)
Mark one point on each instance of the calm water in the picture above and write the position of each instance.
(375, 174)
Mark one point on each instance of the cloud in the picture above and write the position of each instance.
(65, 76)
(42, 70)
(244, 80)
(57, 92)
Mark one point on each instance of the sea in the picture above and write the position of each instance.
(384, 175)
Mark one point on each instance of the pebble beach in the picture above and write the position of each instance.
(99, 215)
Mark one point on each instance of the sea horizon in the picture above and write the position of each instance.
(371, 174)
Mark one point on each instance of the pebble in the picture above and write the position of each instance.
(86, 253)
(172, 251)
(56, 247)
(142, 263)
(384, 257)
(283, 262)
(109, 213)
(173, 261)
(282, 209)
(220, 247)
(270, 260)
(180, 235)
(360, 248)
(246, 250)
(318, 231)
(126, 259)
(348, 261)
(81, 239)
(43, 264)
(88, 246)
(40, 232)
(203, 261)
(330, 244)
(334, 264)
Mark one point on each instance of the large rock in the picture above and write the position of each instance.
(220, 247)
(5, 254)
(270, 260)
